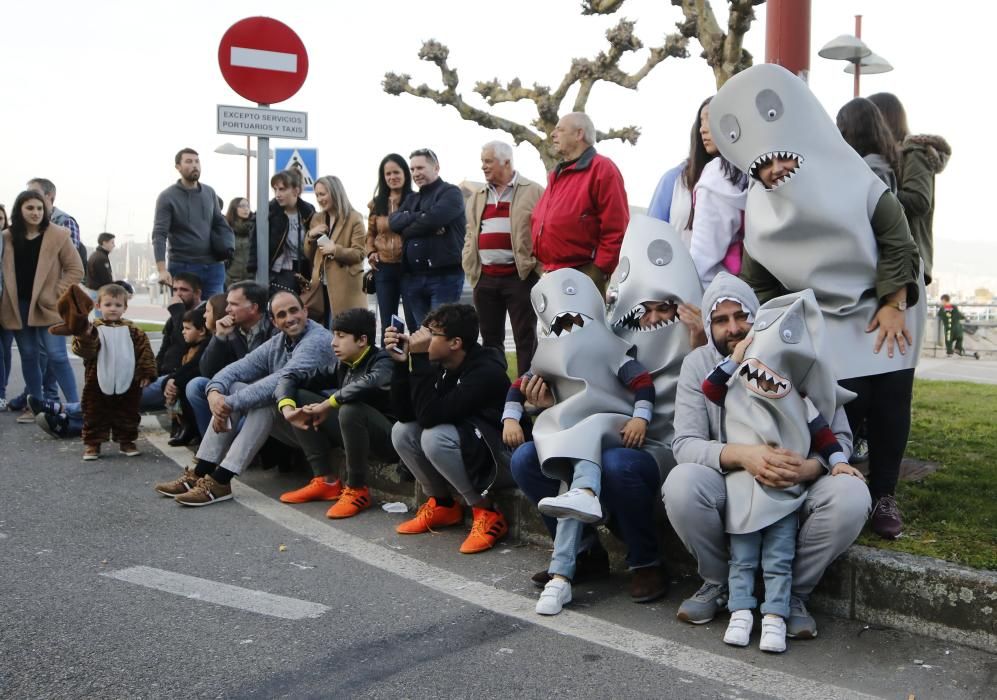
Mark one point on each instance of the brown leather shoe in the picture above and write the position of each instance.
(648, 583)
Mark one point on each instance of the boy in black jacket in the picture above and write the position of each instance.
(449, 405)
(349, 401)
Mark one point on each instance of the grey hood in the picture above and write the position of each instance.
(726, 286)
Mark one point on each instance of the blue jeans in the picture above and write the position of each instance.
(568, 536)
(388, 279)
(423, 293)
(31, 341)
(199, 402)
(212, 275)
(629, 491)
(152, 395)
(776, 545)
(6, 358)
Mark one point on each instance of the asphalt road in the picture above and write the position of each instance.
(109, 591)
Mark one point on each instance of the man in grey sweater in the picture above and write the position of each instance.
(190, 226)
(247, 389)
(835, 508)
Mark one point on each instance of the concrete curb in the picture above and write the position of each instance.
(917, 594)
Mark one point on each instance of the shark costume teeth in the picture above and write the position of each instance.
(565, 322)
(762, 380)
(632, 320)
(766, 158)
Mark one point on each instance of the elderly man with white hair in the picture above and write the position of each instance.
(580, 220)
(498, 253)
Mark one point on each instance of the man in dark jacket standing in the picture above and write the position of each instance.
(581, 218)
(289, 216)
(449, 407)
(432, 225)
(99, 263)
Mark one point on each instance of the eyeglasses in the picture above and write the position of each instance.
(425, 153)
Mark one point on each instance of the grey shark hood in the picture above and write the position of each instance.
(566, 301)
(723, 287)
(654, 266)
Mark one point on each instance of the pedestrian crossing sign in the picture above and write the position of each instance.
(303, 160)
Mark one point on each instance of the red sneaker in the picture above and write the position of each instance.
(489, 527)
(351, 502)
(316, 490)
(431, 515)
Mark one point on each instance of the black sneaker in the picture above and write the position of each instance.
(43, 405)
(56, 425)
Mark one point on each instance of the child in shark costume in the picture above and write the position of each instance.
(656, 267)
(604, 398)
(780, 389)
(818, 217)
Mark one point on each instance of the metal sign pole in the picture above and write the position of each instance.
(263, 208)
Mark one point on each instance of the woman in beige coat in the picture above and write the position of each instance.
(40, 262)
(335, 245)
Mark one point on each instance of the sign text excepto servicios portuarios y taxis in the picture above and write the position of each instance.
(273, 123)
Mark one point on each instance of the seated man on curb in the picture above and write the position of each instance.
(835, 508)
(349, 403)
(449, 407)
(246, 389)
(242, 329)
(186, 296)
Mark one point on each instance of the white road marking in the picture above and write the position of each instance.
(265, 60)
(664, 652)
(219, 593)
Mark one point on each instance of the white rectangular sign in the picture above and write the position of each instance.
(260, 121)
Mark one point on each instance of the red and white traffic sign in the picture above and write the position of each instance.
(263, 60)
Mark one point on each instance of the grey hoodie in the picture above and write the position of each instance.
(699, 433)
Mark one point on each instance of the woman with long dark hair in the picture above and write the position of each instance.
(672, 199)
(240, 218)
(384, 246)
(862, 126)
(922, 157)
(40, 262)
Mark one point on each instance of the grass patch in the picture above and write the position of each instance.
(148, 327)
(952, 514)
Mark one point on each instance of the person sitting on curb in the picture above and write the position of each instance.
(695, 492)
(349, 402)
(244, 327)
(246, 389)
(449, 406)
(186, 296)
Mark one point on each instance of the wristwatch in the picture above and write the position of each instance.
(899, 305)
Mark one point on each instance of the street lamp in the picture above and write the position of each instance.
(230, 149)
(860, 57)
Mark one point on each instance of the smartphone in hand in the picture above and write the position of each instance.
(322, 240)
(398, 325)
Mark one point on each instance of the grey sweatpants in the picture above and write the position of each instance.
(235, 449)
(433, 455)
(831, 518)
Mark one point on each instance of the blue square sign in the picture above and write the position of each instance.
(304, 160)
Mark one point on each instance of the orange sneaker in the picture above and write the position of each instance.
(431, 515)
(488, 527)
(351, 502)
(316, 490)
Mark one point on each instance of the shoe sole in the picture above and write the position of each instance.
(25, 420)
(206, 503)
(563, 512)
(168, 494)
(733, 643)
(772, 650)
(336, 516)
(651, 597)
(685, 618)
(803, 635)
(91, 458)
(485, 549)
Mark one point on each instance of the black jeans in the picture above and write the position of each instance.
(883, 405)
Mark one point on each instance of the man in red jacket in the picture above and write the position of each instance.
(580, 219)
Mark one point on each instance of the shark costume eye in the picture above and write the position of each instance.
(624, 267)
(659, 252)
(542, 303)
(569, 288)
(730, 128)
(769, 105)
(791, 329)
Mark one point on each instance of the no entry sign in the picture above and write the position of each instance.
(263, 60)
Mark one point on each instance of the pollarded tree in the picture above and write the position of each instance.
(722, 50)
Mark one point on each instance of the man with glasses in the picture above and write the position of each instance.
(432, 225)
(186, 296)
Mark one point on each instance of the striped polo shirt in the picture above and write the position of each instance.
(495, 239)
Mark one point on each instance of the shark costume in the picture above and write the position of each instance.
(814, 228)
(656, 266)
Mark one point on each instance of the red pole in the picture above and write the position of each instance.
(787, 35)
(858, 63)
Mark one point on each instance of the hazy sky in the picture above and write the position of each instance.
(99, 95)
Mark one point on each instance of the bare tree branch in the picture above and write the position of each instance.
(724, 52)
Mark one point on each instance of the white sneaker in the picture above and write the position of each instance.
(556, 594)
(739, 630)
(578, 504)
(773, 634)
